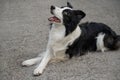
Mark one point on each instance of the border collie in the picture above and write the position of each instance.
(68, 38)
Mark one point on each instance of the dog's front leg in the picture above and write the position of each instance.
(47, 57)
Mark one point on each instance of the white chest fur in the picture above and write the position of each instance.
(58, 42)
(56, 33)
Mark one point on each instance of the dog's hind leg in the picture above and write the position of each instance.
(33, 61)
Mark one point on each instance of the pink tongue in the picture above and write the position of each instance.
(54, 19)
(51, 18)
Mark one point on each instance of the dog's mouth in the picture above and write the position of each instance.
(54, 19)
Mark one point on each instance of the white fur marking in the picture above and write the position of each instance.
(100, 42)
(58, 12)
(68, 40)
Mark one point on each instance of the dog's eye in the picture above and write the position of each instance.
(65, 13)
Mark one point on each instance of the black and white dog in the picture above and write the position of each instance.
(68, 38)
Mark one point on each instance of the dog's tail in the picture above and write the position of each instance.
(112, 41)
(117, 42)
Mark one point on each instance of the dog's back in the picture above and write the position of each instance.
(94, 36)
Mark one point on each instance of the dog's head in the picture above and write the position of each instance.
(65, 14)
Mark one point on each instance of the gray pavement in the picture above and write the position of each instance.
(24, 33)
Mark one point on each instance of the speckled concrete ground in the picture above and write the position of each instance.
(24, 33)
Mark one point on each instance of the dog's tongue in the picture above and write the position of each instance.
(54, 19)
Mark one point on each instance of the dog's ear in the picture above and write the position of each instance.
(80, 14)
(69, 5)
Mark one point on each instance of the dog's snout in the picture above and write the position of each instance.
(52, 7)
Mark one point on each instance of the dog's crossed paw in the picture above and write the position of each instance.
(37, 72)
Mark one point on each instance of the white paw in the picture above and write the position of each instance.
(37, 72)
(27, 63)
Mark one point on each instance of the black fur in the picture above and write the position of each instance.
(71, 18)
(87, 39)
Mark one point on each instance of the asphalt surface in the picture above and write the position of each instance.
(24, 33)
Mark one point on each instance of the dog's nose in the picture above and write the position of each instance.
(52, 7)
